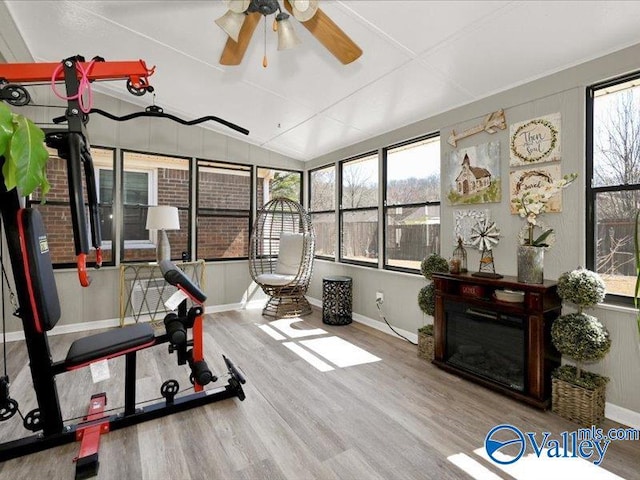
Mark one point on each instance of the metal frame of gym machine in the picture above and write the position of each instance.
(73, 145)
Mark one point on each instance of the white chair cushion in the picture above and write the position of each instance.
(274, 279)
(290, 253)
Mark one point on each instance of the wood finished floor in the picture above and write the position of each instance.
(399, 418)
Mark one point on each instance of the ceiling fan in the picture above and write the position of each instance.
(243, 16)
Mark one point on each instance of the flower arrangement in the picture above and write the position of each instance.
(533, 203)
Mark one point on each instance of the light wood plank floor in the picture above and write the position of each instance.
(399, 418)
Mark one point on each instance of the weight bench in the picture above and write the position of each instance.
(40, 311)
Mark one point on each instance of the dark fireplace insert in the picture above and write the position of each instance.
(486, 343)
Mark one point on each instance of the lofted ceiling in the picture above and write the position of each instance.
(420, 58)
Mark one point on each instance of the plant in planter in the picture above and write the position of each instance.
(427, 302)
(577, 395)
(531, 204)
(25, 156)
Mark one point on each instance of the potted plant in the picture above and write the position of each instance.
(427, 302)
(578, 395)
(25, 156)
(532, 203)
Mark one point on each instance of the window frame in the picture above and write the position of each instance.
(59, 203)
(318, 212)
(386, 207)
(231, 166)
(278, 169)
(153, 197)
(591, 192)
(342, 210)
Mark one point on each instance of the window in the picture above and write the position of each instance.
(56, 211)
(149, 179)
(613, 182)
(359, 210)
(412, 202)
(274, 183)
(322, 206)
(223, 210)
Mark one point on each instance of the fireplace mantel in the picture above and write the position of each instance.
(540, 307)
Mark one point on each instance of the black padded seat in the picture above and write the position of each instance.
(109, 344)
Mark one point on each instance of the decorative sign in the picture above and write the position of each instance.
(491, 122)
(464, 221)
(473, 175)
(522, 180)
(535, 141)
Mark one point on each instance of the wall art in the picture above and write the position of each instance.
(522, 180)
(535, 141)
(464, 221)
(473, 175)
(489, 124)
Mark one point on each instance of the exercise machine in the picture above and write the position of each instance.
(39, 307)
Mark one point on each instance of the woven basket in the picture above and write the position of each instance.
(578, 404)
(425, 346)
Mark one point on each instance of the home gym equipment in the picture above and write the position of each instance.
(38, 305)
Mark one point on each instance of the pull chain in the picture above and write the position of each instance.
(264, 59)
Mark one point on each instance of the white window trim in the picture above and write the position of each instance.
(152, 194)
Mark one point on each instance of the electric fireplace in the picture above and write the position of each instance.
(486, 343)
(501, 345)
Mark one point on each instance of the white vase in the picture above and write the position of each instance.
(530, 264)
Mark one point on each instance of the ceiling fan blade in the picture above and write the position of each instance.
(331, 36)
(234, 51)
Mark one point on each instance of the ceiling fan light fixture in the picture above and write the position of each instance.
(287, 37)
(238, 6)
(231, 22)
(304, 10)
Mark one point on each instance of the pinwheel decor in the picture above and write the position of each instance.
(484, 236)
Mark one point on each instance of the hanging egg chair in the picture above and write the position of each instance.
(281, 253)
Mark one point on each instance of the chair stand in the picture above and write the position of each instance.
(287, 306)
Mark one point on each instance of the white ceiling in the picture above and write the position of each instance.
(420, 58)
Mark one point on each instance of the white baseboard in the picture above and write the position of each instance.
(622, 415)
(370, 322)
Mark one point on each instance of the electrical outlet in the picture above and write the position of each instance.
(379, 297)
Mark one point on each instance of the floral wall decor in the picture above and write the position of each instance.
(535, 141)
(473, 175)
(533, 202)
(534, 180)
(464, 221)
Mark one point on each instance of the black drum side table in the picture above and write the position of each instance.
(336, 300)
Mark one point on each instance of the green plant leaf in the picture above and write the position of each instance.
(9, 173)
(540, 241)
(29, 155)
(6, 127)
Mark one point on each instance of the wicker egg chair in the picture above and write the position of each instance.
(281, 257)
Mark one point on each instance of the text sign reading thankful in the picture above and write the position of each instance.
(535, 141)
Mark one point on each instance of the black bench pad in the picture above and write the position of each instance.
(109, 344)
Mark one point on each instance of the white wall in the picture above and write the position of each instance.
(564, 92)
